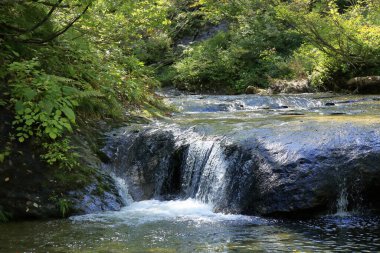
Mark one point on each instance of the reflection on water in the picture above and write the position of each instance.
(189, 226)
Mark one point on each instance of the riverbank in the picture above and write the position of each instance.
(32, 189)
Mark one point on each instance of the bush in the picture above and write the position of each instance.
(342, 39)
(255, 49)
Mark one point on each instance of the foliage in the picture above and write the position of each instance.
(344, 37)
(62, 203)
(327, 42)
(5, 153)
(64, 206)
(60, 60)
(61, 153)
(256, 47)
(44, 104)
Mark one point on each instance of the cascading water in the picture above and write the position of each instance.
(251, 155)
(342, 201)
(244, 154)
(123, 189)
(204, 168)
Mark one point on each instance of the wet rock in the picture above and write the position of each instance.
(31, 189)
(365, 85)
(252, 90)
(292, 86)
(292, 113)
(338, 113)
(93, 198)
(37, 195)
(144, 160)
(263, 171)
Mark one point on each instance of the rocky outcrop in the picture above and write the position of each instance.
(365, 85)
(267, 172)
(255, 90)
(251, 90)
(146, 162)
(30, 189)
(290, 86)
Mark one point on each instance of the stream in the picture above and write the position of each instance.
(223, 172)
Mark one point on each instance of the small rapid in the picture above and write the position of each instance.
(151, 211)
(342, 201)
(209, 104)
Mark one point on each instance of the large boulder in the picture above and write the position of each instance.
(301, 168)
(290, 86)
(145, 160)
(33, 189)
(365, 85)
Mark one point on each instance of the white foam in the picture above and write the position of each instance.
(154, 210)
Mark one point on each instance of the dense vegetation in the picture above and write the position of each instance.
(65, 63)
(61, 60)
(327, 42)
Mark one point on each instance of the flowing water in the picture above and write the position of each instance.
(189, 221)
(190, 226)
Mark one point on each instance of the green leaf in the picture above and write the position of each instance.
(15, 53)
(19, 107)
(69, 113)
(67, 126)
(29, 122)
(53, 135)
(69, 91)
(29, 93)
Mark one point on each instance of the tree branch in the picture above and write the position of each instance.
(46, 17)
(60, 32)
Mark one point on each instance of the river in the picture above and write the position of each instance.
(203, 212)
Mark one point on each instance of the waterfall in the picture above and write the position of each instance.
(342, 200)
(169, 165)
(244, 154)
(204, 170)
(123, 189)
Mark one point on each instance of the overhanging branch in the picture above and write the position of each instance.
(60, 32)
